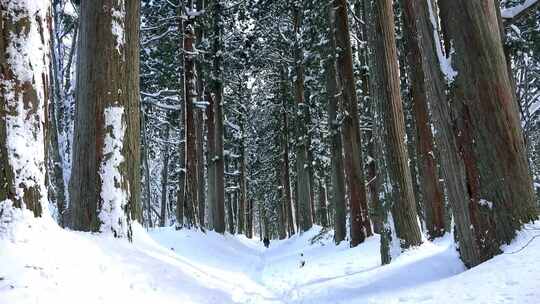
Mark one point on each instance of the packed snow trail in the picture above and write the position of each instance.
(41, 263)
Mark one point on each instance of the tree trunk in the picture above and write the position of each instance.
(148, 194)
(388, 94)
(322, 212)
(360, 224)
(433, 200)
(219, 223)
(302, 145)
(190, 97)
(199, 123)
(230, 212)
(24, 96)
(211, 143)
(489, 133)
(336, 147)
(164, 180)
(249, 220)
(243, 185)
(372, 181)
(285, 164)
(57, 187)
(132, 147)
(443, 116)
(102, 181)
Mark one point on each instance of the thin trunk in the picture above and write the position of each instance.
(199, 123)
(249, 220)
(56, 183)
(230, 212)
(336, 147)
(190, 97)
(211, 143)
(285, 164)
(148, 194)
(243, 187)
(219, 216)
(164, 180)
(322, 212)
(302, 145)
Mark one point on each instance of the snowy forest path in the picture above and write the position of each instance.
(295, 271)
(190, 267)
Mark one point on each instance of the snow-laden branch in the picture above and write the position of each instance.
(517, 11)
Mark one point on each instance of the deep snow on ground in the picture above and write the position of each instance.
(41, 263)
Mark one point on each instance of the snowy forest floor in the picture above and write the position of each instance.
(41, 263)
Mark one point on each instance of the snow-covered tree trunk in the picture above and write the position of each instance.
(101, 187)
(24, 97)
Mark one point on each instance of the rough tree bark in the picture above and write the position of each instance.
(106, 110)
(354, 168)
(243, 182)
(285, 164)
(211, 169)
(336, 147)
(302, 145)
(217, 84)
(165, 179)
(452, 165)
(433, 200)
(24, 95)
(388, 94)
(199, 125)
(489, 133)
(190, 97)
(148, 194)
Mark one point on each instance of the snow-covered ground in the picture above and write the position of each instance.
(41, 263)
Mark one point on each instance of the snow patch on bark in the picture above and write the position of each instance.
(118, 24)
(113, 215)
(445, 62)
(27, 58)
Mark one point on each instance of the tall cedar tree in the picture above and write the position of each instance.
(190, 97)
(217, 90)
(488, 128)
(360, 224)
(106, 124)
(24, 95)
(402, 199)
(302, 154)
(336, 145)
(430, 187)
